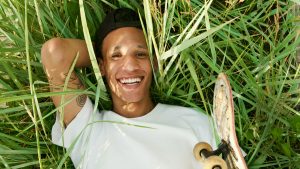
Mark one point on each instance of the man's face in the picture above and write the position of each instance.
(126, 65)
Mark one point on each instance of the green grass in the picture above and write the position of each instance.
(253, 42)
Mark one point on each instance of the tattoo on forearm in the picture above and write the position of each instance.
(81, 100)
(73, 76)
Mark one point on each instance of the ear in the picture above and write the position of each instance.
(102, 67)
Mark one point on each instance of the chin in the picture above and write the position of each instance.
(131, 99)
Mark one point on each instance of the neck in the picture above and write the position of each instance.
(135, 109)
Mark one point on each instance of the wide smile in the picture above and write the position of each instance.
(130, 82)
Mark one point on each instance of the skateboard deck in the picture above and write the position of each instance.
(223, 116)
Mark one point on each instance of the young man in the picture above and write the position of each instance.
(136, 133)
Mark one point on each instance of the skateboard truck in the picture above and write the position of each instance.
(223, 149)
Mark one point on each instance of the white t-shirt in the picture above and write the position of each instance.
(162, 139)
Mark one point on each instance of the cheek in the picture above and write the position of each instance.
(111, 69)
(108, 68)
(112, 66)
(148, 67)
(149, 71)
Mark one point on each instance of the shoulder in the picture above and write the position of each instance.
(180, 110)
(196, 119)
(189, 115)
(86, 115)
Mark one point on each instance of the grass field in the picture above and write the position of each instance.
(253, 41)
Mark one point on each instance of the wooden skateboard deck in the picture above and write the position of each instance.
(223, 116)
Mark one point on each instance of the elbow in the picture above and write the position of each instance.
(52, 52)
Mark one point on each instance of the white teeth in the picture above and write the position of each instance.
(130, 80)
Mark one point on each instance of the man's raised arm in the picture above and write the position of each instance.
(57, 57)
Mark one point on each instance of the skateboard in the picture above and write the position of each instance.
(223, 117)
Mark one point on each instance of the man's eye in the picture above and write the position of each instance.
(141, 54)
(116, 55)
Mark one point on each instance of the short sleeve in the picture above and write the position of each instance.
(65, 137)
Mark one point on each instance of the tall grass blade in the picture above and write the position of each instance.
(90, 47)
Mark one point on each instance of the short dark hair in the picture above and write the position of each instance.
(122, 17)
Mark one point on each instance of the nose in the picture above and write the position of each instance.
(130, 63)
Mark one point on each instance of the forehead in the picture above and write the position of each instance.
(124, 37)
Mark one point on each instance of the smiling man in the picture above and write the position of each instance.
(136, 133)
(128, 72)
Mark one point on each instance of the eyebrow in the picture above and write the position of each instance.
(117, 48)
(141, 46)
(138, 46)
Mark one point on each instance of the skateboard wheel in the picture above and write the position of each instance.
(215, 162)
(198, 148)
